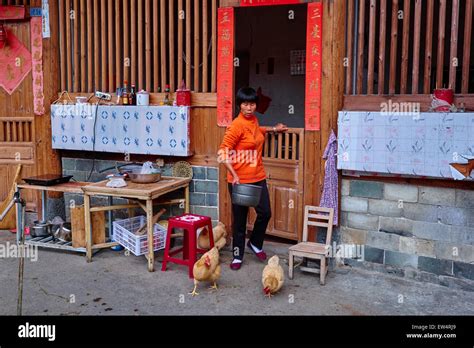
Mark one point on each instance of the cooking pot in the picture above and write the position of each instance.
(40, 229)
(247, 195)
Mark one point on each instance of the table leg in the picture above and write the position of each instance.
(88, 227)
(44, 206)
(186, 197)
(111, 217)
(149, 225)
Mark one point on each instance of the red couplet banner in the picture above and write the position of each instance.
(225, 67)
(314, 41)
(267, 2)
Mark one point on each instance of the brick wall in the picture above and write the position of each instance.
(425, 231)
(203, 187)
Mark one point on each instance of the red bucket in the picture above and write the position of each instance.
(183, 96)
(446, 95)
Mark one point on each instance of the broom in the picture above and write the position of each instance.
(9, 221)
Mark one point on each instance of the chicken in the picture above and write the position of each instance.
(272, 276)
(207, 269)
(219, 232)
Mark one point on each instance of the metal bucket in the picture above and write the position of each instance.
(247, 195)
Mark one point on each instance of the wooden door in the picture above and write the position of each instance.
(283, 160)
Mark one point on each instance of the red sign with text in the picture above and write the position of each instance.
(225, 68)
(314, 40)
(267, 2)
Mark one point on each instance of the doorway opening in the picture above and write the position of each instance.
(270, 43)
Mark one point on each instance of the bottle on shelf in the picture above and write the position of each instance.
(167, 96)
(125, 96)
(132, 98)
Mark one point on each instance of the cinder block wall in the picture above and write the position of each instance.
(203, 187)
(426, 232)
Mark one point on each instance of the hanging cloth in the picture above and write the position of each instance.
(329, 198)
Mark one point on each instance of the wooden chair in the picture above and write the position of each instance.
(320, 217)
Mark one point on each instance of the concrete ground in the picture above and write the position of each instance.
(62, 283)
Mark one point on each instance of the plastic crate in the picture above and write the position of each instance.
(125, 234)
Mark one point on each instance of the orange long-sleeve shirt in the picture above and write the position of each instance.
(242, 146)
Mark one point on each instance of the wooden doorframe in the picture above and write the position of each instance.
(236, 3)
(332, 98)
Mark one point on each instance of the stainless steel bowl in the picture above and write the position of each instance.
(144, 178)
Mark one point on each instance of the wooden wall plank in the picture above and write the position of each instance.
(126, 42)
(441, 38)
(111, 41)
(466, 58)
(181, 18)
(77, 57)
(90, 40)
(204, 46)
(453, 55)
(164, 77)
(416, 48)
(196, 61)
(171, 32)
(97, 79)
(428, 47)
(360, 50)
(382, 45)
(350, 46)
(371, 52)
(62, 43)
(393, 48)
(119, 29)
(133, 42)
(156, 47)
(188, 44)
(103, 46)
(405, 46)
(148, 39)
(83, 34)
(141, 47)
(69, 84)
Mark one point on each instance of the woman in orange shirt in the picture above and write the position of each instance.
(241, 153)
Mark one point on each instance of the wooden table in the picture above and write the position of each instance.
(139, 193)
(48, 242)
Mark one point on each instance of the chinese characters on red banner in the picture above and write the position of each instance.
(314, 40)
(225, 68)
(267, 2)
(37, 72)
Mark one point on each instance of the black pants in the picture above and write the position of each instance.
(239, 226)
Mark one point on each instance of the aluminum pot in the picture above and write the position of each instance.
(144, 178)
(247, 195)
(40, 229)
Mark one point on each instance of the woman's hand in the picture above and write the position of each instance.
(235, 180)
(280, 127)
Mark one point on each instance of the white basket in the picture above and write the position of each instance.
(125, 234)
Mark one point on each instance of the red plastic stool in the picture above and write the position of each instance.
(190, 223)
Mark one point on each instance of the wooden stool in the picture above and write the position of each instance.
(190, 223)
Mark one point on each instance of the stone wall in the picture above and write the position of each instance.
(427, 231)
(203, 187)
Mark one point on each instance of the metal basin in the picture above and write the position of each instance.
(247, 195)
(144, 178)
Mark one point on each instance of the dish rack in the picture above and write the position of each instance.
(125, 234)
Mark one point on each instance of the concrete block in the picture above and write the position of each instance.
(425, 247)
(199, 173)
(465, 199)
(407, 245)
(197, 198)
(345, 187)
(455, 252)
(436, 266)
(353, 236)
(212, 173)
(367, 189)
(354, 204)
(206, 186)
(432, 231)
(103, 165)
(207, 211)
(467, 234)
(374, 255)
(453, 216)
(383, 240)
(68, 163)
(85, 165)
(211, 199)
(420, 212)
(78, 175)
(191, 186)
(384, 208)
(362, 221)
(167, 170)
(344, 218)
(437, 196)
(397, 259)
(400, 226)
(464, 270)
(396, 192)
